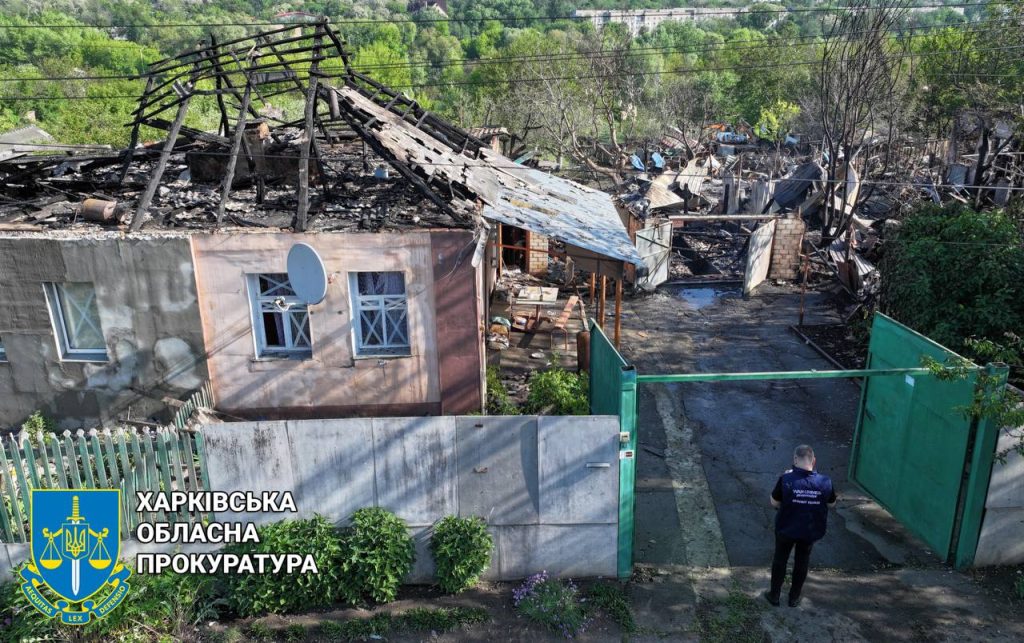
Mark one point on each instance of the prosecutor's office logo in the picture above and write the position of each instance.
(75, 543)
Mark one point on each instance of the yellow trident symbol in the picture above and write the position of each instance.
(74, 542)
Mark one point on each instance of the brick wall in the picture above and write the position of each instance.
(537, 263)
(789, 234)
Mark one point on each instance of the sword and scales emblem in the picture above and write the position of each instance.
(77, 539)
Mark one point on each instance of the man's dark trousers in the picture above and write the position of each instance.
(783, 546)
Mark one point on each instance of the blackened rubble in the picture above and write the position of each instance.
(363, 157)
(51, 193)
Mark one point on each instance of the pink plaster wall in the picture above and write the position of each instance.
(333, 381)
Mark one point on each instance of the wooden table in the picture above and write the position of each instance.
(535, 296)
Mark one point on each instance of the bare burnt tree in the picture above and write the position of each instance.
(860, 83)
(600, 110)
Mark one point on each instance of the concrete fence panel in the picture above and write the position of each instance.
(1001, 541)
(547, 486)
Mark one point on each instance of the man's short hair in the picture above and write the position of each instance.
(803, 452)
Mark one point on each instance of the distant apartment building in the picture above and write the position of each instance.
(648, 19)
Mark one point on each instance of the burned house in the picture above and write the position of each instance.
(134, 276)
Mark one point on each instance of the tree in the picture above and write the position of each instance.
(953, 274)
(859, 93)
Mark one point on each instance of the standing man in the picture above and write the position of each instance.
(803, 497)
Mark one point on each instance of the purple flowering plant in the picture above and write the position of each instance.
(552, 603)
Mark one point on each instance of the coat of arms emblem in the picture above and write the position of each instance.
(75, 544)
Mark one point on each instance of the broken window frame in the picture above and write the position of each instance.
(60, 300)
(279, 299)
(380, 303)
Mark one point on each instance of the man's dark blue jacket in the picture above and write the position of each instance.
(805, 496)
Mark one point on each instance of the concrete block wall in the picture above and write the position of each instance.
(789, 234)
(149, 313)
(1001, 541)
(547, 486)
(537, 262)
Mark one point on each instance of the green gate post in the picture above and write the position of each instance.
(627, 471)
(986, 438)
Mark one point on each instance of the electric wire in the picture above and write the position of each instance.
(509, 20)
(756, 44)
(631, 73)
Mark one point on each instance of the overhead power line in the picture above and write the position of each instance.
(895, 29)
(730, 46)
(512, 20)
(662, 72)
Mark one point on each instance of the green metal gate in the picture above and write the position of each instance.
(613, 392)
(916, 450)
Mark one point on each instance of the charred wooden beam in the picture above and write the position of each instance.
(133, 140)
(310, 134)
(154, 181)
(164, 64)
(447, 132)
(236, 145)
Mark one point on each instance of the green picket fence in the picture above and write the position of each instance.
(201, 399)
(131, 459)
(125, 458)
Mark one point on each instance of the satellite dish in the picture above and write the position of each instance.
(307, 274)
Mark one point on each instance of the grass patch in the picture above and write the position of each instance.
(611, 599)
(294, 633)
(736, 619)
(419, 619)
(259, 632)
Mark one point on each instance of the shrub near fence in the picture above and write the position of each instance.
(126, 458)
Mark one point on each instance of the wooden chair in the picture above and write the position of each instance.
(563, 321)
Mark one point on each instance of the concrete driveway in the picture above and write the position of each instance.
(741, 434)
(710, 454)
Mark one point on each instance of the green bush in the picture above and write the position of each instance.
(158, 607)
(558, 392)
(38, 422)
(379, 553)
(1018, 586)
(462, 551)
(498, 402)
(952, 274)
(258, 594)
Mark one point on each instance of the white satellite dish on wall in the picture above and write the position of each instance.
(307, 274)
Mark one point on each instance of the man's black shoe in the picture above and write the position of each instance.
(794, 601)
(774, 600)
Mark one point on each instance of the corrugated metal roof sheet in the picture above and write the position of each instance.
(566, 211)
(510, 193)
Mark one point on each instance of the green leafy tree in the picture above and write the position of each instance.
(956, 275)
(776, 120)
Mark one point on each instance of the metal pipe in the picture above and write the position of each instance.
(593, 288)
(779, 375)
(618, 311)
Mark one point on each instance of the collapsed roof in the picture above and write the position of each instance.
(334, 156)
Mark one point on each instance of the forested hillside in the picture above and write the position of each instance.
(74, 65)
